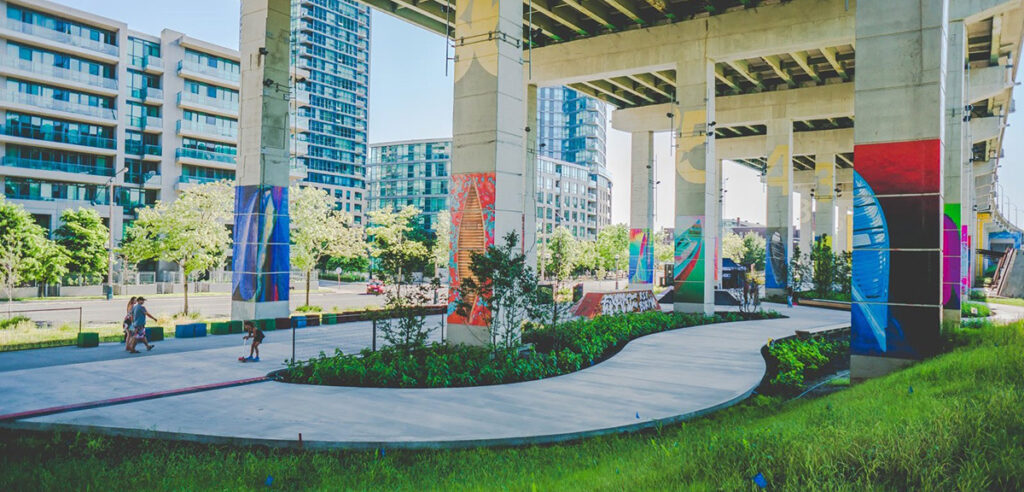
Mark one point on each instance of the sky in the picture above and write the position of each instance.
(411, 98)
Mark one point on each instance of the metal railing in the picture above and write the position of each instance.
(59, 137)
(44, 165)
(205, 155)
(59, 72)
(57, 104)
(193, 66)
(210, 102)
(61, 37)
(206, 129)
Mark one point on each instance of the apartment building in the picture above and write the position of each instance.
(88, 106)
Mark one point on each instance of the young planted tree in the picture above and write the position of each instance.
(319, 231)
(745, 250)
(507, 287)
(50, 264)
(85, 239)
(563, 253)
(191, 231)
(391, 245)
(442, 245)
(21, 241)
(403, 321)
(664, 249)
(825, 264)
(613, 247)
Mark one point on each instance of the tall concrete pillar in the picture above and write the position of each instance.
(844, 225)
(260, 263)
(529, 222)
(806, 220)
(824, 198)
(696, 221)
(487, 191)
(641, 211)
(955, 150)
(898, 140)
(779, 178)
(719, 207)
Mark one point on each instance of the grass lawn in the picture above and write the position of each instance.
(953, 422)
(1009, 301)
(26, 335)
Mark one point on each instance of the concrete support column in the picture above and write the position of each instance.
(719, 207)
(260, 261)
(641, 211)
(824, 198)
(898, 150)
(779, 223)
(844, 218)
(487, 190)
(529, 223)
(806, 220)
(955, 155)
(696, 221)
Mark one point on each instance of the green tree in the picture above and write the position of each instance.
(586, 260)
(746, 250)
(562, 251)
(613, 247)
(506, 286)
(391, 245)
(21, 241)
(190, 231)
(319, 231)
(51, 263)
(826, 264)
(85, 238)
(442, 245)
(664, 248)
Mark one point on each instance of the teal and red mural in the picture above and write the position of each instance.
(689, 256)
(641, 257)
(260, 264)
(472, 213)
(896, 249)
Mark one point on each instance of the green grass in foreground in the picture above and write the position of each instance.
(960, 428)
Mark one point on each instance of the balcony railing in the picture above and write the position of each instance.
(211, 102)
(61, 37)
(154, 122)
(154, 94)
(60, 73)
(194, 66)
(133, 148)
(148, 178)
(46, 165)
(205, 155)
(56, 104)
(144, 62)
(150, 149)
(50, 136)
(206, 129)
(199, 180)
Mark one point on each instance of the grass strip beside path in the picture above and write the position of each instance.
(952, 422)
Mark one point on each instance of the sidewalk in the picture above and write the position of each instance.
(665, 377)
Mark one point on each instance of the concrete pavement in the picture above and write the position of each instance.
(663, 377)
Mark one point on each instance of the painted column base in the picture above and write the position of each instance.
(692, 307)
(951, 316)
(468, 335)
(244, 310)
(640, 286)
(864, 367)
(774, 292)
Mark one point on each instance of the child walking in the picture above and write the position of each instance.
(257, 337)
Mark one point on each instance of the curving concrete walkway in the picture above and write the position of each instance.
(660, 378)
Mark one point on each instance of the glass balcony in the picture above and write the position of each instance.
(197, 180)
(211, 102)
(61, 37)
(60, 73)
(144, 62)
(45, 165)
(51, 136)
(147, 178)
(133, 148)
(154, 123)
(197, 67)
(205, 155)
(207, 129)
(57, 105)
(152, 94)
(134, 121)
(152, 149)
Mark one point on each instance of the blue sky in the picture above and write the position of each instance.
(411, 97)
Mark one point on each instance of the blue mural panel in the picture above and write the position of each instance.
(260, 263)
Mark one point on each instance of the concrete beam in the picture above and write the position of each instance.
(801, 59)
(983, 129)
(776, 63)
(794, 26)
(629, 9)
(971, 11)
(804, 143)
(830, 55)
(988, 82)
(826, 101)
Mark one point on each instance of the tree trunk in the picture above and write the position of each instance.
(184, 282)
(398, 286)
(307, 286)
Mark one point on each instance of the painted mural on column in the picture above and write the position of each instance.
(472, 213)
(260, 262)
(641, 257)
(776, 268)
(897, 261)
(689, 259)
(952, 257)
(776, 249)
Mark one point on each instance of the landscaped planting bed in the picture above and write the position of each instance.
(565, 348)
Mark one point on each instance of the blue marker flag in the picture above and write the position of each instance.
(760, 480)
(270, 480)
(638, 415)
(910, 390)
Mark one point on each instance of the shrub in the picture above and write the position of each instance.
(556, 350)
(308, 308)
(13, 322)
(975, 310)
(794, 361)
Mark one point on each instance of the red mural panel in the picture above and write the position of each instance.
(900, 168)
(472, 213)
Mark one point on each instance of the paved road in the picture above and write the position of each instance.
(659, 378)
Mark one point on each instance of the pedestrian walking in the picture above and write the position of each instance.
(126, 325)
(139, 314)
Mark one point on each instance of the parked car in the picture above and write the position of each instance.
(375, 287)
